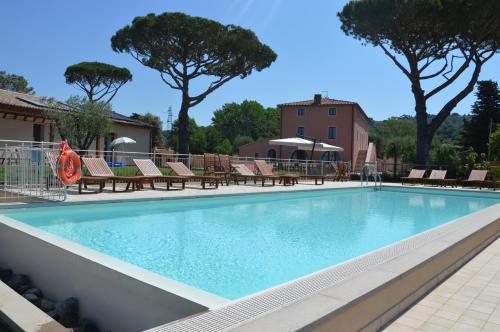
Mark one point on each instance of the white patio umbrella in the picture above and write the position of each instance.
(297, 142)
(328, 147)
(305, 144)
(122, 140)
(117, 142)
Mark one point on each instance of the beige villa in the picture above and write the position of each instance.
(336, 122)
(23, 117)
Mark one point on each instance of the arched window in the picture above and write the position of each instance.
(299, 155)
(331, 156)
(271, 154)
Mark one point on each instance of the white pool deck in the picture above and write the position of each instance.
(468, 301)
(193, 189)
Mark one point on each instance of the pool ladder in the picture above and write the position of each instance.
(370, 171)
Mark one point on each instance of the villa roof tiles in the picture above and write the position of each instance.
(37, 103)
(324, 102)
(12, 98)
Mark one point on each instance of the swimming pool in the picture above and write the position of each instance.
(238, 245)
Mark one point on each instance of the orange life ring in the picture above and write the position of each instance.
(68, 165)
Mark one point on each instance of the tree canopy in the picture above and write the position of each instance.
(183, 48)
(248, 119)
(485, 117)
(395, 136)
(433, 43)
(100, 81)
(13, 82)
(495, 144)
(233, 125)
(197, 139)
(400, 132)
(81, 121)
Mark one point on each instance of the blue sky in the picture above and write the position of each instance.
(41, 38)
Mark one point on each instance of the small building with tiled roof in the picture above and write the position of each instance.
(23, 117)
(333, 121)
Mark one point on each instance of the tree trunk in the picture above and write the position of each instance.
(423, 143)
(184, 125)
(423, 133)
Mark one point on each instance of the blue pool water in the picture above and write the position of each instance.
(235, 246)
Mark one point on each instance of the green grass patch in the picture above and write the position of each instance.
(133, 170)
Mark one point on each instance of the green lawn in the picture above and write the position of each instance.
(18, 170)
(133, 170)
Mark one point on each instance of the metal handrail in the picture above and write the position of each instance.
(27, 172)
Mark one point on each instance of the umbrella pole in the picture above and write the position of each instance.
(312, 151)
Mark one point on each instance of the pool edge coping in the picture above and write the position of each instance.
(19, 313)
(355, 185)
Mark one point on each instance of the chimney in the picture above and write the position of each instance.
(317, 99)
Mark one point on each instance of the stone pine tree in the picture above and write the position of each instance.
(99, 81)
(188, 50)
(15, 82)
(433, 43)
(485, 117)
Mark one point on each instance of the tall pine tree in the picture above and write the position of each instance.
(485, 117)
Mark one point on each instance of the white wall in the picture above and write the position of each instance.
(23, 131)
(139, 134)
(16, 130)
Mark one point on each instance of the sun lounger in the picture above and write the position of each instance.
(438, 178)
(416, 176)
(148, 168)
(213, 167)
(318, 179)
(341, 173)
(477, 178)
(225, 168)
(245, 173)
(220, 166)
(209, 161)
(100, 173)
(224, 164)
(181, 170)
(267, 170)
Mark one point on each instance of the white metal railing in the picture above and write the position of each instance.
(26, 172)
(122, 163)
(370, 171)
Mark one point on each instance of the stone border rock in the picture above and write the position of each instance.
(19, 314)
(63, 314)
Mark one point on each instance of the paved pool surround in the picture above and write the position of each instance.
(364, 293)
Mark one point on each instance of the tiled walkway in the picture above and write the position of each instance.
(468, 301)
